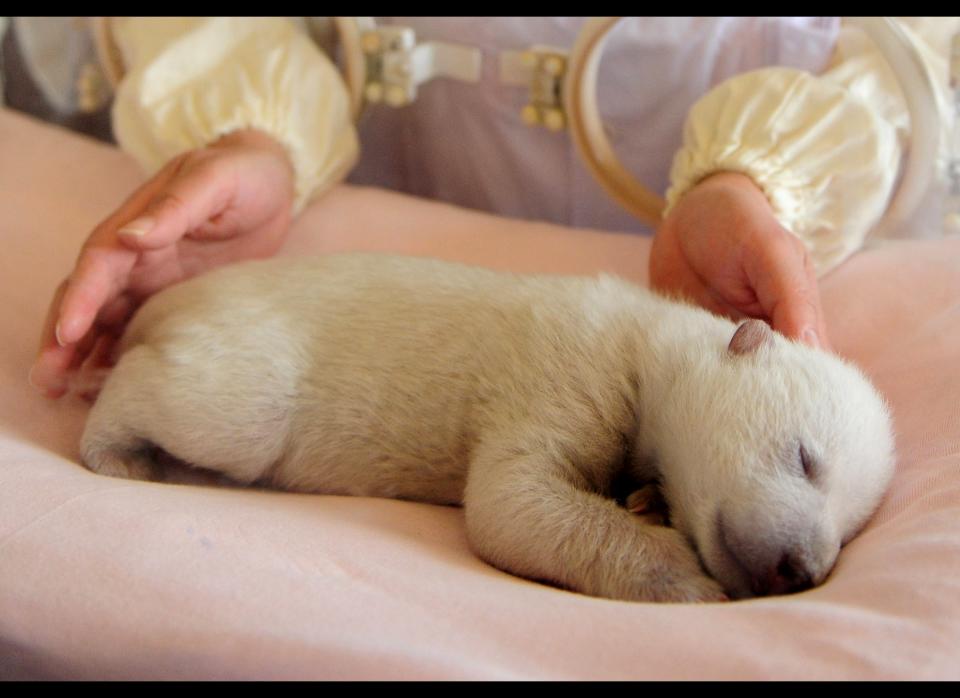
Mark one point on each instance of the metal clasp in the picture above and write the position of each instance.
(396, 65)
(542, 70)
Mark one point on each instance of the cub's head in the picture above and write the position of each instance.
(779, 455)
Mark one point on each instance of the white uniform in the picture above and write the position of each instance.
(805, 106)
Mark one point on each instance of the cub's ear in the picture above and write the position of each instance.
(750, 336)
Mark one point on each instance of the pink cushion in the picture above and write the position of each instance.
(106, 578)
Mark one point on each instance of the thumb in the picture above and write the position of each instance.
(188, 201)
(786, 287)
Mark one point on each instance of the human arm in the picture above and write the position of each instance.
(229, 201)
(723, 249)
(214, 110)
(823, 151)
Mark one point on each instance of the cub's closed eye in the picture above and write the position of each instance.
(809, 466)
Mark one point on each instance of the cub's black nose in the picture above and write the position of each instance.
(788, 576)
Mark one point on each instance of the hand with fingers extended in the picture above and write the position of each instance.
(229, 201)
(722, 248)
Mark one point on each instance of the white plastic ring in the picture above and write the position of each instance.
(351, 31)
(586, 126)
(108, 54)
(918, 89)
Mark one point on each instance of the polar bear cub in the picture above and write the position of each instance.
(536, 402)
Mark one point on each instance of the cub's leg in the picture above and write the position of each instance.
(113, 442)
(177, 400)
(530, 516)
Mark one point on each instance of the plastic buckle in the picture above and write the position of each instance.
(543, 70)
(396, 65)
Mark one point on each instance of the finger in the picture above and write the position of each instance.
(672, 275)
(54, 372)
(135, 205)
(104, 267)
(52, 369)
(823, 337)
(786, 287)
(690, 287)
(822, 340)
(87, 380)
(101, 353)
(99, 277)
(82, 349)
(94, 276)
(188, 201)
(114, 315)
(702, 294)
(48, 371)
(56, 367)
(48, 335)
(816, 337)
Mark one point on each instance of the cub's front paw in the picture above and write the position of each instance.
(693, 588)
(675, 574)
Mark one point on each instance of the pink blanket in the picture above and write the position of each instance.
(106, 578)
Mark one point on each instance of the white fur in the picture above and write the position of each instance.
(528, 399)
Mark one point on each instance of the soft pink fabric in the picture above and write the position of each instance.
(106, 578)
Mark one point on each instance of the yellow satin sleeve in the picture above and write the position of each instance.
(191, 80)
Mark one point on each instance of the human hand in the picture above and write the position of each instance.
(229, 201)
(722, 248)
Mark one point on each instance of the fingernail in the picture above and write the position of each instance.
(137, 227)
(30, 379)
(810, 337)
(60, 341)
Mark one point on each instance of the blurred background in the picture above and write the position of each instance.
(21, 91)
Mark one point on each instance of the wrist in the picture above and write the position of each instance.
(732, 181)
(255, 139)
(247, 137)
(737, 199)
(264, 158)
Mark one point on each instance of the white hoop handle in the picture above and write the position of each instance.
(108, 54)
(350, 31)
(918, 89)
(586, 126)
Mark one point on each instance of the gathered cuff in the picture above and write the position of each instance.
(214, 76)
(825, 160)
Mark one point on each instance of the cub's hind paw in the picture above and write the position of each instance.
(131, 466)
(648, 504)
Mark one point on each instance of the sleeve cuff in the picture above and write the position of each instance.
(224, 74)
(824, 159)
